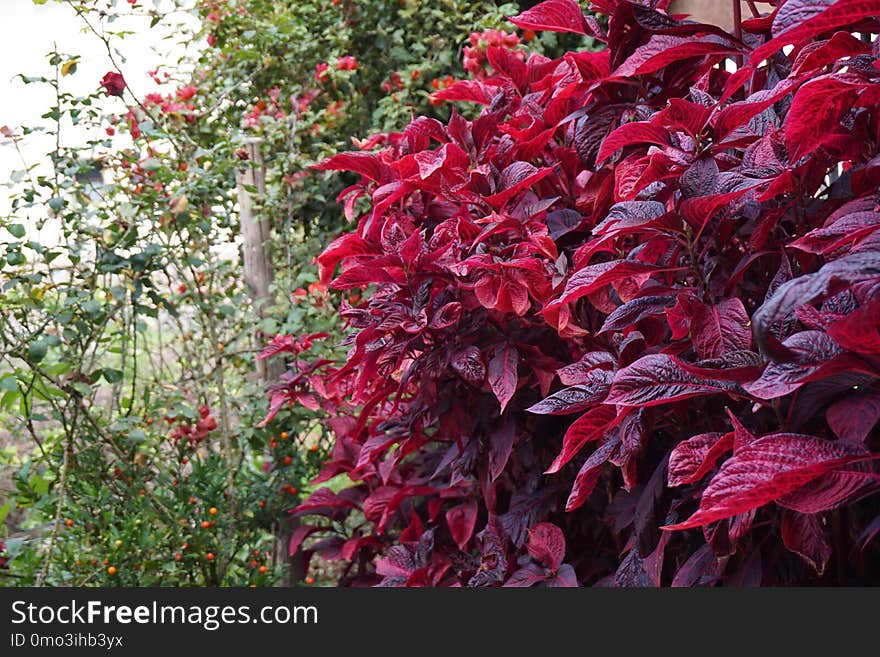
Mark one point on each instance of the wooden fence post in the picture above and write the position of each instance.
(258, 275)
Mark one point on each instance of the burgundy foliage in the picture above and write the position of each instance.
(623, 329)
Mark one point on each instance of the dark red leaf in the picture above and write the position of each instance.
(553, 16)
(629, 134)
(468, 363)
(593, 277)
(366, 164)
(853, 417)
(588, 476)
(663, 50)
(691, 459)
(461, 521)
(817, 109)
(576, 398)
(592, 425)
(547, 545)
(804, 535)
(767, 469)
(721, 328)
(503, 375)
(658, 379)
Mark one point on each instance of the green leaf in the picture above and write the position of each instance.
(56, 203)
(4, 511)
(112, 375)
(17, 230)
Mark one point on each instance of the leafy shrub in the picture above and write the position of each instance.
(622, 328)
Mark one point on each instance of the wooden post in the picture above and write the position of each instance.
(258, 276)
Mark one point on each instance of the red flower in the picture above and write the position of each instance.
(346, 63)
(212, 40)
(321, 74)
(113, 83)
(187, 92)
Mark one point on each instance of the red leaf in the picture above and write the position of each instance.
(859, 331)
(853, 417)
(838, 232)
(588, 476)
(553, 16)
(811, 352)
(842, 12)
(503, 373)
(366, 164)
(299, 535)
(516, 177)
(592, 425)
(719, 329)
(461, 521)
(831, 489)
(500, 446)
(816, 110)
(803, 534)
(547, 545)
(794, 12)
(636, 310)
(592, 277)
(765, 470)
(468, 363)
(691, 459)
(467, 91)
(700, 568)
(639, 132)
(658, 379)
(852, 268)
(663, 50)
(578, 372)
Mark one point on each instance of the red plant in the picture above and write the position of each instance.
(638, 295)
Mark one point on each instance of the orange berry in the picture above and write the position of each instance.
(254, 563)
(111, 570)
(284, 435)
(209, 556)
(149, 420)
(206, 524)
(263, 569)
(105, 562)
(220, 346)
(192, 500)
(68, 522)
(262, 504)
(310, 580)
(178, 556)
(213, 510)
(313, 448)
